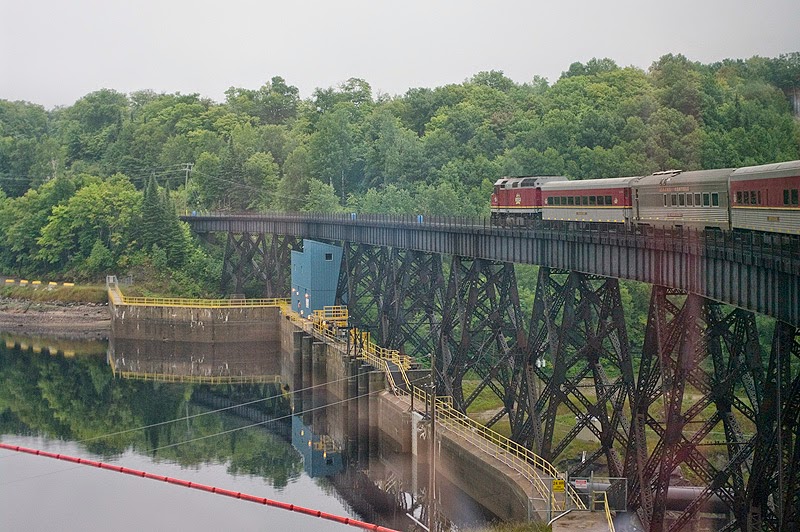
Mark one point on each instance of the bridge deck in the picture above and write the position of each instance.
(755, 271)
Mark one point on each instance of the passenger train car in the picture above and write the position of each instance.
(593, 200)
(683, 199)
(758, 198)
(765, 198)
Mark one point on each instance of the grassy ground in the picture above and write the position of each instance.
(64, 294)
(487, 404)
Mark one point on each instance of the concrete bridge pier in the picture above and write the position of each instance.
(363, 414)
(319, 391)
(307, 400)
(376, 384)
(353, 366)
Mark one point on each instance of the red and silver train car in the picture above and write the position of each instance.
(765, 198)
(515, 199)
(757, 198)
(696, 199)
(589, 200)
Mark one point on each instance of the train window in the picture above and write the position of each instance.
(608, 200)
(745, 197)
(529, 182)
(600, 200)
(584, 200)
(794, 196)
(759, 197)
(739, 197)
(715, 199)
(706, 199)
(570, 200)
(689, 199)
(786, 197)
(515, 184)
(674, 199)
(665, 200)
(753, 198)
(682, 199)
(592, 200)
(697, 199)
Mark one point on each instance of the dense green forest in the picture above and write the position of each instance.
(97, 187)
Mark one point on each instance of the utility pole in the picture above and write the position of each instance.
(187, 167)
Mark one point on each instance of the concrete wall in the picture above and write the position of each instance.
(195, 324)
(191, 341)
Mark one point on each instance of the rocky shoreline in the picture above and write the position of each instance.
(58, 320)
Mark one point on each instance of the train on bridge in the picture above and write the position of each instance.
(755, 198)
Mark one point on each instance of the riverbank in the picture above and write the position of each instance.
(55, 319)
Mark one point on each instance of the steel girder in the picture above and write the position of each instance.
(774, 502)
(482, 332)
(473, 323)
(699, 400)
(396, 294)
(578, 330)
(258, 263)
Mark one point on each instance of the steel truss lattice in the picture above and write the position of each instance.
(258, 264)
(577, 360)
(703, 399)
(396, 294)
(703, 405)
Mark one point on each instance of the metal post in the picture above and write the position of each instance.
(432, 474)
(779, 428)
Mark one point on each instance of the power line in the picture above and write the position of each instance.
(186, 418)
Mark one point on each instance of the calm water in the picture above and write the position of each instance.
(63, 397)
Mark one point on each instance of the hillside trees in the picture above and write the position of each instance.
(430, 150)
(28, 153)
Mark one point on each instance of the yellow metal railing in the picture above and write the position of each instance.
(533, 467)
(604, 500)
(200, 303)
(334, 315)
(116, 295)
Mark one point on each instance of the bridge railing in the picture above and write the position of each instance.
(747, 245)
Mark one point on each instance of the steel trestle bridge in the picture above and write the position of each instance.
(701, 395)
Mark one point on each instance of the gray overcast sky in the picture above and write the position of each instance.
(53, 52)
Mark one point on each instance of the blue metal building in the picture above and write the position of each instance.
(315, 274)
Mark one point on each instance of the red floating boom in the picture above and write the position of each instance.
(202, 487)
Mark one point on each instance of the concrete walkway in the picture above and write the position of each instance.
(582, 521)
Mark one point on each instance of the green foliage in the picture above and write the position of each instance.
(321, 198)
(97, 186)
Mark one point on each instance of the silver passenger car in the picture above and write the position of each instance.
(696, 199)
